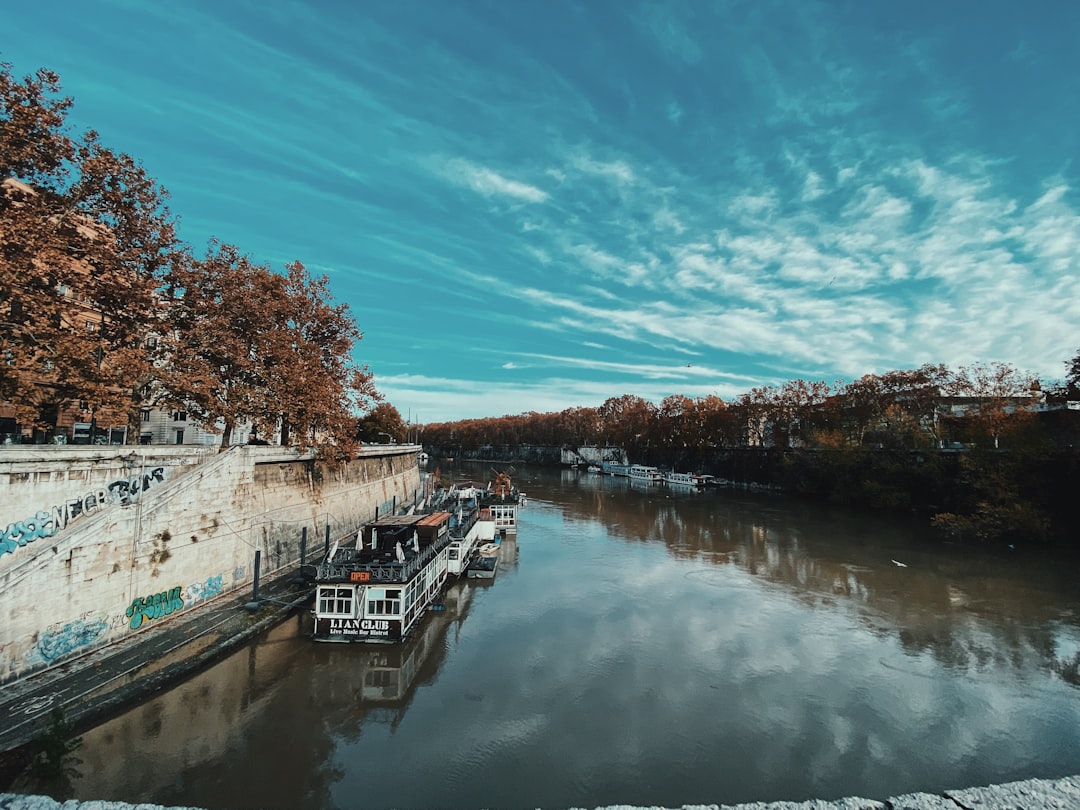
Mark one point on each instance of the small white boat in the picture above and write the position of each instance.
(484, 563)
(694, 480)
(642, 472)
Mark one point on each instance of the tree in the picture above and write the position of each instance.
(249, 345)
(381, 422)
(1072, 377)
(84, 239)
(315, 381)
(998, 393)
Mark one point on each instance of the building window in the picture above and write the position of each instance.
(146, 414)
(336, 601)
(179, 416)
(180, 436)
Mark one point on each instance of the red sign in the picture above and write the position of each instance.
(360, 576)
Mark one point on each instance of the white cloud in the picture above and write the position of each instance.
(489, 182)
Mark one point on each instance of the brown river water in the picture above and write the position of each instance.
(649, 647)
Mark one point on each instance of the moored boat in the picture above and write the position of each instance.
(484, 563)
(642, 472)
(694, 480)
(379, 589)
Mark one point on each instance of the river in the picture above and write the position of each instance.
(649, 647)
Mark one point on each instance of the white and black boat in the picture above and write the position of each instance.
(380, 588)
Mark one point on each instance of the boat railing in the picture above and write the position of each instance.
(380, 570)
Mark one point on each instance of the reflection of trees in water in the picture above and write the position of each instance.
(969, 609)
(262, 700)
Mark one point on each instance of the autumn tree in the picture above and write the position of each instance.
(84, 239)
(998, 395)
(250, 345)
(382, 422)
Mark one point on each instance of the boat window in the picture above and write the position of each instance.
(384, 607)
(336, 601)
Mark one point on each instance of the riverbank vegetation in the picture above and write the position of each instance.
(985, 452)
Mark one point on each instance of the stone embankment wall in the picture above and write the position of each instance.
(1030, 794)
(100, 542)
(529, 454)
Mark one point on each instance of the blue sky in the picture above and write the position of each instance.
(537, 204)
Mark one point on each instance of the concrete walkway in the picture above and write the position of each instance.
(1031, 794)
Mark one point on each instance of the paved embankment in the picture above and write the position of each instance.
(1031, 794)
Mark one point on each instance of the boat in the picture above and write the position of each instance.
(612, 468)
(378, 589)
(693, 480)
(503, 499)
(484, 563)
(472, 524)
(642, 472)
(594, 469)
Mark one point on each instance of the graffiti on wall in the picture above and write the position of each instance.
(153, 607)
(46, 523)
(66, 639)
(201, 591)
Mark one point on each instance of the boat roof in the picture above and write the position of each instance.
(434, 519)
(393, 521)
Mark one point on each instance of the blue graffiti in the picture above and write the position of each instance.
(43, 524)
(56, 644)
(201, 591)
(153, 607)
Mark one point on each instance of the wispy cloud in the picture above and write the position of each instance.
(488, 182)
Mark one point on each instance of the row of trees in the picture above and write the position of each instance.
(102, 305)
(924, 407)
(866, 443)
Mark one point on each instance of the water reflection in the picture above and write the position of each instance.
(648, 647)
(969, 608)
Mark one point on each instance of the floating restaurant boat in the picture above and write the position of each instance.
(380, 588)
(694, 480)
(642, 472)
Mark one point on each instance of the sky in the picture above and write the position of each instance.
(532, 205)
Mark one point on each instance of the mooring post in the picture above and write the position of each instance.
(253, 605)
(255, 580)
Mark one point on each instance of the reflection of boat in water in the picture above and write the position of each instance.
(386, 674)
